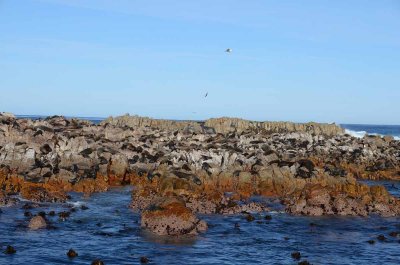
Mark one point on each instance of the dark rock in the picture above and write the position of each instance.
(268, 217)
(371, 242)
(250, 218)
(381, 238)
(10, 250)
(304, 262)
(97, 262)
(72, 253)
(296, 255)
(27, 214)
(42, 214)
(64, 215)
(144, 260)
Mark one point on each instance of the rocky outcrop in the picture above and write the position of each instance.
(224, 125)
(317, 200)
(228, 125)
(213, 166)
(170, 216)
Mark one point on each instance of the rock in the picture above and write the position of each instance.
(41, 194)
(64, 215)
(268, 217)
(97, 262)
(27, 214)
(6, 201)
(304, 262)
(72, 253)
(250, 218)
(381, 238)
(37, 222)
(170, 216)
(371, 242)
(296, 255)
(10, 250)
(144, 260)
(388, 138)
(119, 165)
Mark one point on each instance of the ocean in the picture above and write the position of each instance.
(109, 230)
(359, 130)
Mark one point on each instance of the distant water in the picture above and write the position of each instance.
(95, 120)
(109, 230)
(359, 130)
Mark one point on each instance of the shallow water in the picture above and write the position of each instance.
(109, 230)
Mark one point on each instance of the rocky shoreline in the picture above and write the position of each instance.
(182, 168)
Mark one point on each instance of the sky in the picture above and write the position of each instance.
(312, 60)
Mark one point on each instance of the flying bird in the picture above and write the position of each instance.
(229, 50)
(206, 95)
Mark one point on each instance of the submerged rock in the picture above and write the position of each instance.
(10, 250)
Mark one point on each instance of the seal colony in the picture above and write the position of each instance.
(182, 168)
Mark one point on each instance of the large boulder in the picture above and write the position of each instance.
(37, 222)
(170, 216)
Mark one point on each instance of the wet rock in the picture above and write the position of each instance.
(381, 238)
(144, 260)
(10, 250)
(27, 214)
(268, 217)
(42, 214)
(72, 253)
(64, 215)
(37, 222)
(41, 194)
(296, 255)
(97, 262)
(170, 216)
(304, 262)
(6, 201)
(250, 218)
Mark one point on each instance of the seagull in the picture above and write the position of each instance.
(206, 95)
(229, 50)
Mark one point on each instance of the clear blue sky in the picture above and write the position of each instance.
(318, 60)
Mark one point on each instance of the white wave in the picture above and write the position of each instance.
(77, 203)
(361, 134)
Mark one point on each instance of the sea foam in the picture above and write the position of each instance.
(361, 134)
